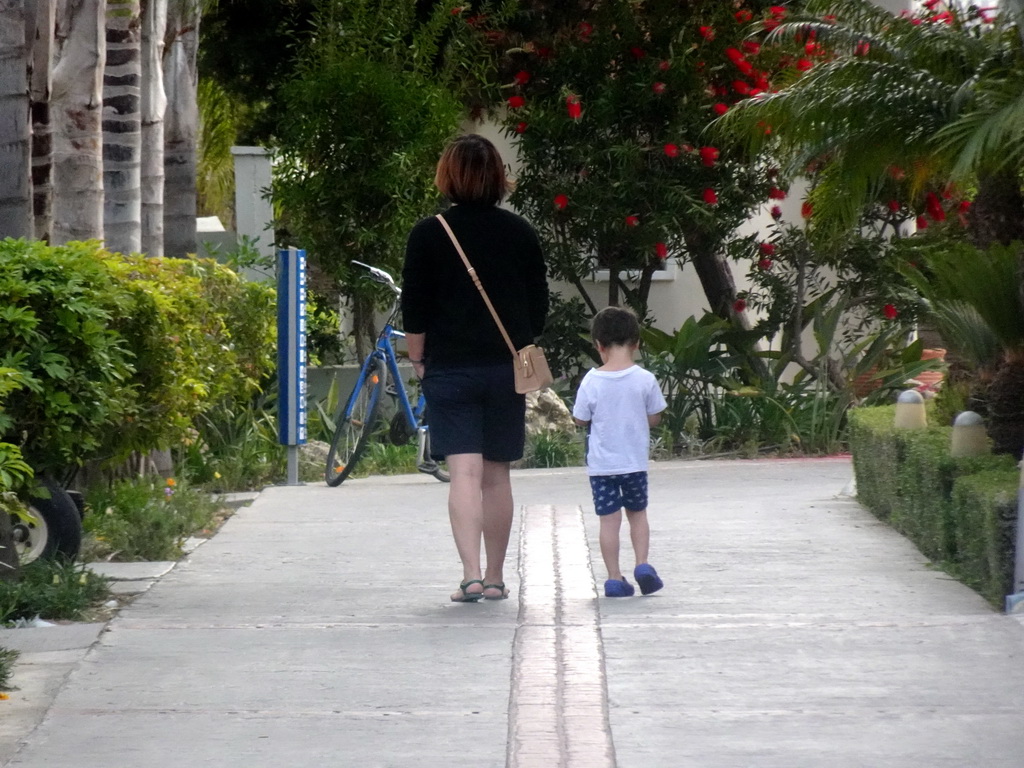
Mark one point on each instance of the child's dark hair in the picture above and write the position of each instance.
(615, 326)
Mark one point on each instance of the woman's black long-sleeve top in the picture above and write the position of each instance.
(440, 299)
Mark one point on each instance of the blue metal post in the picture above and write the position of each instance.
(291, 354)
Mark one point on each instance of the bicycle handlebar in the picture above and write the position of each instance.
(380, 276)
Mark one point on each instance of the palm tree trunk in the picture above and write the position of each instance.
(180, 128)
(154, 104)
(44, 18)
(997, 213)
(76, 111)
(15, 135)
(122, 129)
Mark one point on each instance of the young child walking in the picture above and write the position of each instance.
(620, 402)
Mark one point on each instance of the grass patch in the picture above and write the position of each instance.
(144, 520)
(52, 590)
(548, 449)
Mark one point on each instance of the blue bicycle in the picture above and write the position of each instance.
(354, 424)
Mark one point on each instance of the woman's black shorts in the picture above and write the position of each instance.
(475, 409)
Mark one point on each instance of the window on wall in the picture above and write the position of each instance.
(666, 273)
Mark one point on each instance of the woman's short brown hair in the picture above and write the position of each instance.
(471, 171)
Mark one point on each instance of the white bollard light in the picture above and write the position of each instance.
(969, 438)
(910, 411)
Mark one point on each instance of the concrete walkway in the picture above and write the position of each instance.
(795, 631)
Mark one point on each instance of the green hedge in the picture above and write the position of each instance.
(122, 353)
(961, 513)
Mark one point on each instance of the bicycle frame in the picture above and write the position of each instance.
(385, 350)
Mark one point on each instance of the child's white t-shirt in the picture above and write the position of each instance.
(617, 403)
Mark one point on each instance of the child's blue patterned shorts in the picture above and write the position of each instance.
(613, 492)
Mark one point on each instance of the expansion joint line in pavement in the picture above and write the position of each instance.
(558, 711)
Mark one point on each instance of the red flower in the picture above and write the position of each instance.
(638, 53)
(751, 47)
(664, 65)
(804, 64)
(545, 53)
(777, 10)
(573, 107)
(522, 77)
(896, 172)
(862, 48)
(586, 30)
(720, 109)
(765, 264)
(708, 33)
(456, 11)
(708, 155)
(964, 206)
(671, 150)
(745, 67)
(660, 250)
(740, 87)
(710, 197)
(632, 221)
(739, 305)
(515, 102)
(776, 212)
(658, 88)
(743, 16)
(767, 249)
(934, 207)
(561, 201)
(890, 311)
(776, 194)
(922, 222)
(770, 24)
(733, 55)
(807, 209)
(894, 205)
(520, 128)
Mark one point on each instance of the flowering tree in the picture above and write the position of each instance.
(608, 104)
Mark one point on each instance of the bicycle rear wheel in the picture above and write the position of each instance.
(354, 427)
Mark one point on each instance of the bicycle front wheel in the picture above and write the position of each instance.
(354, 427)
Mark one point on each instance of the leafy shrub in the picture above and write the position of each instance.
(144, 520)
(7, 659)
(959, 512)
(51, 589)
(548, 448)
(56, 308)
(121, 354)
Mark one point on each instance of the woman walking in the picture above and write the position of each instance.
(477, 420)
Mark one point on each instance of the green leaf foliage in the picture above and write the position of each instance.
(367, 115)
(119, 354)
(608, 108)
(889, 109)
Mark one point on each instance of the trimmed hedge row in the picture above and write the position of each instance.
(961, 513)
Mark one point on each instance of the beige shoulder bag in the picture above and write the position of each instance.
(530, 365)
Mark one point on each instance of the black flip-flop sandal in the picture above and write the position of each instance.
(469, 597)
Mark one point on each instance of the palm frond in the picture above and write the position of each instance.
(989, 136)
(964, 329)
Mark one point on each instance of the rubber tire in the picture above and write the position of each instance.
(61, 526)
(373, 386)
